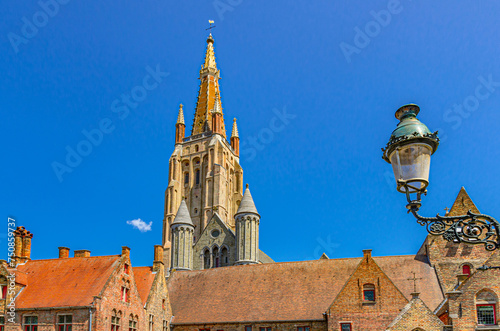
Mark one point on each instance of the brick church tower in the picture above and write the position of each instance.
(204, 168)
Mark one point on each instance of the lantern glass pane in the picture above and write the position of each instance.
(411, 163)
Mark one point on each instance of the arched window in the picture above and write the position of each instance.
(196, 148)
(466, 270)
(224, 256)
(132, 323)
(206, 259)
(197, 176)
(115, 320)
(486, 307)
(186, 178)
(216, 261)
(369, 292)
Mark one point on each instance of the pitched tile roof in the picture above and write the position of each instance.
(281, 291)
(66, 282)
(144, 278)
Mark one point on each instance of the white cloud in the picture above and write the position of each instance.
(140, 225)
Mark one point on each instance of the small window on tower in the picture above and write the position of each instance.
(198, 177)
(196, 148)
(186, 178)
(345, 327)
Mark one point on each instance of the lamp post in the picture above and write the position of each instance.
(409, 151)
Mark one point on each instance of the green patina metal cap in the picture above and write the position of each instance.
(409, 130)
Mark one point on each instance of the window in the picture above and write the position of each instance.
(115, 322)
(163, 305)
(65, 323)
(196, 148)
(2, 323)
(215, 254)
(126, 268)
(4, 291)
(165, 325)
(204, 329)
(198, 177)
(125, 294)
(466, 269)
(486, 302)
(265, 329)
(303, 328)
(206, 259)
(151, 322)
(186, 178)
(132, 323)
(248, 328)
(224, 256)
(345, 327)
(369, 292)
(30, 323)
(486, 314)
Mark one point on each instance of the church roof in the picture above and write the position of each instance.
(282, 291)
(65, 282)
(144, 278)
(182, 216)
(247, 205)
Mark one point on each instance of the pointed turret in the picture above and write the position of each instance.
(235, 139)
(180, 127)
(247, 231)
(247, 205)
(183, 216)
(182, 229)
(207, 94)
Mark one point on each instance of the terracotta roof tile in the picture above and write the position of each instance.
(66, 282)
(280, 291)
(144, 278)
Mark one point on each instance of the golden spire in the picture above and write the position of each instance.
(208, 94)
(210, 54)
(180, 118)
(235, 130)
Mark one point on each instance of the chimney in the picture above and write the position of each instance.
(82, 253)
(126, 251)
(158, 258)
(63, 252)
(367, 253)
(22, 244)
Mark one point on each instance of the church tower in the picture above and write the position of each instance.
(204, 169)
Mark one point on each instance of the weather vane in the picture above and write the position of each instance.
(211, 27)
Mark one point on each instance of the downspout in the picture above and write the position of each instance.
(90, 314)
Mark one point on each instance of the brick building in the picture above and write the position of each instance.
(210, 275)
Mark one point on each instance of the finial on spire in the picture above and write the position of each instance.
(235, 129)
(210, 38)
(247, 185)
(180, 118)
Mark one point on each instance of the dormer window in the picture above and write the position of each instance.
(369, 293)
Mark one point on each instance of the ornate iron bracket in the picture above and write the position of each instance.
(485, 267)
(472, 228)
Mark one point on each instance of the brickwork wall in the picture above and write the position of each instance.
(417, 315)
(349, 306)
(462, 307)
(276, 326)
(48, 319)
(156, 306)
(111, 300)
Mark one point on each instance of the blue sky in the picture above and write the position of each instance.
(339, 68)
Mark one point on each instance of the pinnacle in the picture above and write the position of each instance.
(235, 130)
(180, 118)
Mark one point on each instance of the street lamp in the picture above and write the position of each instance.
(409, 151)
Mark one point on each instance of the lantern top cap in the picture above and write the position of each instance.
(407, 110)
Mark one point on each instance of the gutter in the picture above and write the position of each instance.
(50, 308)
